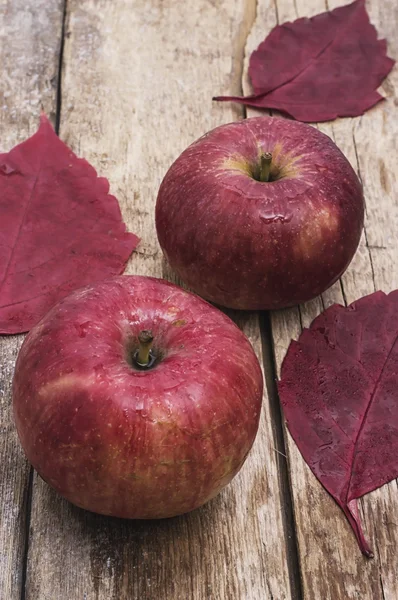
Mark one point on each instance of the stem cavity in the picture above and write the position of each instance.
(143, 357)
(265, 166)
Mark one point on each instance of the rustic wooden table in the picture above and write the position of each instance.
(129, 85)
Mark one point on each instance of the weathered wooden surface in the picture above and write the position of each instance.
(137, 81)
(330, 563)
(150, 70)
(30, 40)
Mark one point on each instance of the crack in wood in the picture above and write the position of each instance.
(289, 524)
(365, 233)
(239, 44)
(380, 571)
(60, 65)
(28, 514)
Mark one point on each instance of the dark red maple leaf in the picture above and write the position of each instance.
(59, 228)
(320, 68)
(339, 392)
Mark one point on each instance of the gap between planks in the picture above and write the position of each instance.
(28, 508)
(270, 377)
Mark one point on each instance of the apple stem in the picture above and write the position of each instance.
(145, 339)
(265, 166)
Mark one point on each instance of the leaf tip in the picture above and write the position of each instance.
(45, 123)
(43, 117)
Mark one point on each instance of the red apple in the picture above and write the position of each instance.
(260, 214)
(134, 441)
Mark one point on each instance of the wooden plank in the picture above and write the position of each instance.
(137, 88)
(330, 562)
(375, 135)
(30, 36)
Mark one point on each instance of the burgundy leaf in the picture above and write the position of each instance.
(339, 392)
(59, 228)
(320, 68)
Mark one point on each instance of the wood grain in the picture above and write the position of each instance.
(137, 83)
(330, 562)
(30, 39)
(136, 90)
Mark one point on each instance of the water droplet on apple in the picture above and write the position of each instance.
(276, 218)
(83, 328)
(6, 169)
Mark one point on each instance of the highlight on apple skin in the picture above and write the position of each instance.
(135, 398)
(263, 213)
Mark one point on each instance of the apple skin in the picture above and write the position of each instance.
(136, 443)
(248, 244)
